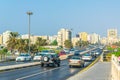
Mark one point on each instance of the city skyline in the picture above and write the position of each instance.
(50, 16)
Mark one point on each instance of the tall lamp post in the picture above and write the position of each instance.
(29, 14)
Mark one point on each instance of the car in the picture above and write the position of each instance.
(77, 53)
(62, 53)
(72, 51)
(24, 57)
(38, 56)
(76, 61)
(67, 51)
(47, 51)
(87, 57)
(50, 59)
(93, 54)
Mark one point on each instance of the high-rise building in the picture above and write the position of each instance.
(63, 34)
(112, 36)
(83, 36)
(1, 39)
(94, 38)
(6, 36)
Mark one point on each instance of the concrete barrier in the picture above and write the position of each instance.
(2, 68)
(115, 69)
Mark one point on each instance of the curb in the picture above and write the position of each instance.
(4, 68)
(87, 67)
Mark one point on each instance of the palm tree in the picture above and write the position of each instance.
(41, 42)
(11, 43)
(68, 44)
(82, 43)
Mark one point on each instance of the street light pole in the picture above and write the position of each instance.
(29, 13)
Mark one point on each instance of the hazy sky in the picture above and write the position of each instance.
(51, 15)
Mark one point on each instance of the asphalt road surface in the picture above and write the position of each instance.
(41, 73)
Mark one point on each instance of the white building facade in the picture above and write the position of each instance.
(112, 36)
(63, 34)
(94, 38)
(6, 37)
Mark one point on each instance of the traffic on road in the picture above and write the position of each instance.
(50, 66)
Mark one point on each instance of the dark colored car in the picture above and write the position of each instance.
(50, 59)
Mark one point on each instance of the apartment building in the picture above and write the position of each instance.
(63, 34)
(83, 36)
(112, 36)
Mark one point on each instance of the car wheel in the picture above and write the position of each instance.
(70, 66)
(42, 64)
(83, 65)
(47, 65)
(58, 64)
(46, 59)
(25, 60)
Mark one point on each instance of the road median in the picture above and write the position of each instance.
(3, 68)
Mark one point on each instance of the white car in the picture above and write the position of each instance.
(24, 57)
(87, 57)
(38, 56)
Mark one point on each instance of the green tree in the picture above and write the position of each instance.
(22, 45)
(11, 43)
(82, 43)
(78, 43)
(68, 44)
(55, 43)
(117, 43)
(41, 42)
(33, 48)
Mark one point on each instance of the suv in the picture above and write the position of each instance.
(50, 59)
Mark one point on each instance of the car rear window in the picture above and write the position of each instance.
(75, 57)
(86, 54)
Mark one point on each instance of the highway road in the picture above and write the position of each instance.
(39, 73)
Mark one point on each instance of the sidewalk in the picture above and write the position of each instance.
(100, 71)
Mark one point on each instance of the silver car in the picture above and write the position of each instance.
(87, 57)
(24, 57)
(76, 61)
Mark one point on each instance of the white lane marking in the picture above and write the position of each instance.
(36, 74)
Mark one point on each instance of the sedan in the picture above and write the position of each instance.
(24, 57)
(76, 61)
(38, 57)
(87, 57)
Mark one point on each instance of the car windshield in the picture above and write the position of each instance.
(48, 51)
(38, 54)
(24, 54)
(75, 57)
(45, 51)
(50, 55)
